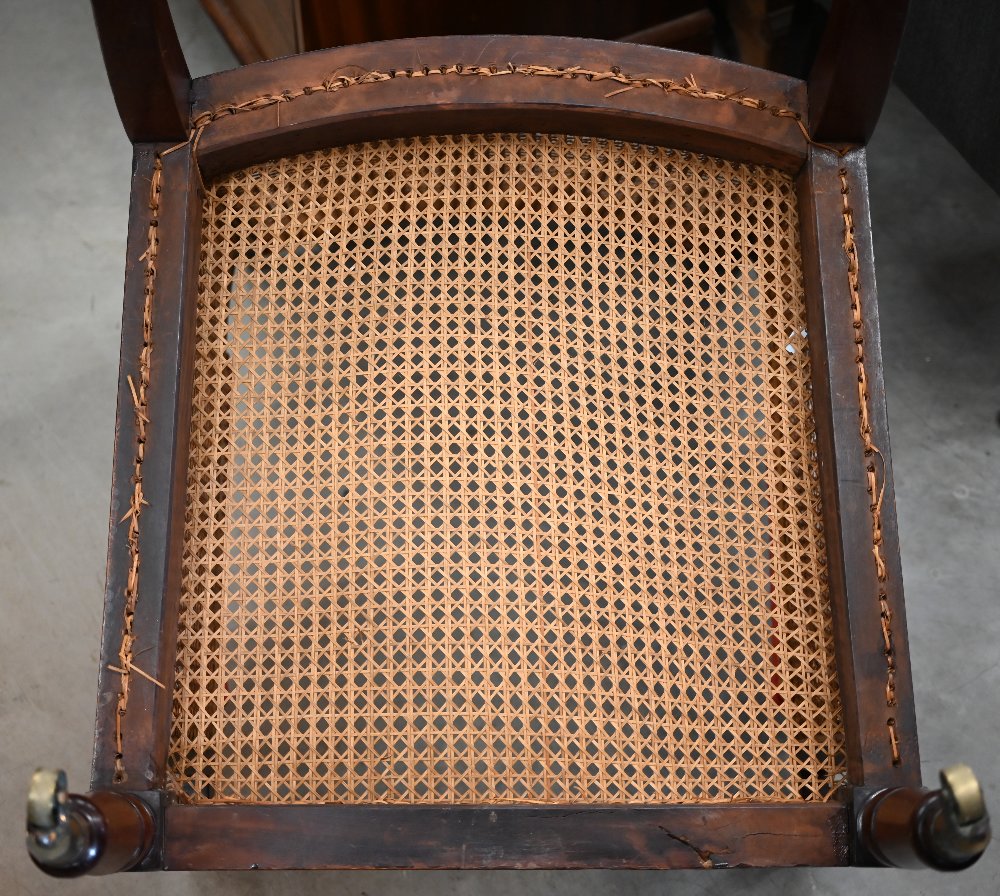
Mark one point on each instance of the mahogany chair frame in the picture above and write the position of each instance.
(185, 131)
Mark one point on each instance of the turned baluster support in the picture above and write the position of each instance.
(97, 833)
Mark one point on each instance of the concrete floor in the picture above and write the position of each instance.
(64, 189)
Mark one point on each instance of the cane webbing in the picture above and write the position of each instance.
(503, 483)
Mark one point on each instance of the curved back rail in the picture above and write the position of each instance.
(487, 84)
(152, 87)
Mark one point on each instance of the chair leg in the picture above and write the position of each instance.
(904, 827)
(99, 833)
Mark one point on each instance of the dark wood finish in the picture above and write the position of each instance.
(861, 659)
(258, 29)
(851, 75)
(426, 837)
(128, 831)
(521, 836)
(102, 775)
(147, 720)
(906, 827)
(112, 832)
(148, 74)
(452, 103)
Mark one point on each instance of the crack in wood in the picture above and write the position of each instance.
(705, 856)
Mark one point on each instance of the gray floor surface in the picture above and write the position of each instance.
(64, 186)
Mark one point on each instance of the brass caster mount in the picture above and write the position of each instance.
(100, 833)
(946, 829)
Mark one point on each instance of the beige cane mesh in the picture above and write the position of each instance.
(503, 483)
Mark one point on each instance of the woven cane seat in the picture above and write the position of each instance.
(503, 484)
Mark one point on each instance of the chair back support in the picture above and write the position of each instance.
(847, 85)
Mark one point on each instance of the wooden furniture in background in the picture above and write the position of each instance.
(502, 475)
(257, 30)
